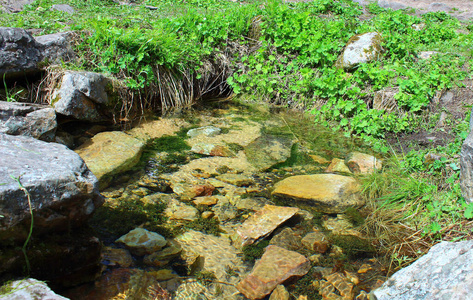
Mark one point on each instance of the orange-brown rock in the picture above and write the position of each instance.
(361, 163)
(276, 266)
(338, 166)
(328, 193)
(316, 241)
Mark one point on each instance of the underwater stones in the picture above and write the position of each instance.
(279, 293)
(177, 210)
(216, 253)
(141, 241)
(113, 257)
(235, 179)
(211, 150)
(268, 150)
(83, 96)
(361, 163)
(28, 289)
(154, 129)
(328, 193)
(443, 273)
(276, 266)
(110, 153)
(206, 131)
(162, 257)
(205, 200)
(338, 166)
(316, 241)
(224, 210)
(287, 239)
(64, 193)
(336, 284)
(28, 119)
(263, 222)
(360, 48)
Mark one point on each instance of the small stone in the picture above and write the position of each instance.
(316, 241)
(335, 251)
(362, 296)
(141, 241)
(287, 239)
(264, 222)
(212, 150)
(141, 191)
(155, 259)
(177, 210)
(235, 179)
(276, 266)
(279, 293)
(338, 166)
(207, 214)
(116, 257)
(162, 275)
(205, 200)
(427, 54)
(206, 131)
(364, 268)
(361, 48)
(315, 258)
(361, 163)
(319, 159)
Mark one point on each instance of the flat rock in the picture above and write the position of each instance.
(110, 153)
(338, 166)
(276, 266)
(267, 151)
(141, 241)
(153, 129)
(29, 289)
(394, 5)
(63, 7)
(316, 241)
(64, 192)
(113, 257)
(173, 249)
(235, 179)
(211, 150)
(177, 210)
(443, 273)
(280, 293)
(83, 96)
(28, 119)
(205, 131)
(56, 47)
(362, 163)
(328, 193)
(287, 239)
(360, 49)
(263, 222)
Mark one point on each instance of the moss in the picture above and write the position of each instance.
(254, 251)
(208, 226)
(234, 147)
(168, 144)
(304, 286)
(205, 277)
(354, 216)
(352, 246)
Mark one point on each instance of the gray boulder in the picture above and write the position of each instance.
(391, 4)
(21, 54)
(83, 95)
(34, 120)
(443, 273)
(14, 6)
(29, 289)
(466, 168)
(63, 191)
(438, 6)
(361, 48)
(63, 7)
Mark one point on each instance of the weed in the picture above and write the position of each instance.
(254, 251)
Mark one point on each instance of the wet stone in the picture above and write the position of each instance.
(279, 293)
(362, 163)
(113, 257)
(206, 131)
(267, 151)
(141, 241)
(276, 266)
(263, 222)
(338, 166)
(205, 200)
(177, 210)
(287, 239)
(171, 251)
(212, 150)
(235, 179)
(316, 241)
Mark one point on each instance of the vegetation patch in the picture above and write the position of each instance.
(254, 251)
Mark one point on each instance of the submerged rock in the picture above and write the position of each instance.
(443, 273)
(141, 241)
(276, 266)
(28, 119)
(328, 193)
(361, 48)
(113, 257)
(110, 153)
(177, 210)
(267, 151)
(29, 289)
(264, 222)
(211, 149)
(206, 131)
(279, 293)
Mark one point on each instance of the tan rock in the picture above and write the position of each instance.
(110, 153)
(155, 259)
(279, 293)
(176, 210)
(207, 214)
(316, 241)
(263, 222)
(361, 163)
(116, 257)
(338, 166)
(328, 193)
(205, 200)
(319, 159)
(276, 266)
(157, 128)
(235, 179)
(212, 150)
(141, 241)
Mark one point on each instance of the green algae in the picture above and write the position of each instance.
(254, 251)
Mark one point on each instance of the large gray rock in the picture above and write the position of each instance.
(64, 193)
(38, 121)
(466, 168)
(19, 52)
(361, 48)
(443, 273)
(29, 289)
(15, 6)
(82, 95)
(63, 7)
(394, 5)
(22, 54)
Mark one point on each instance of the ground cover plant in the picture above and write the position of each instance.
(174, 53)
